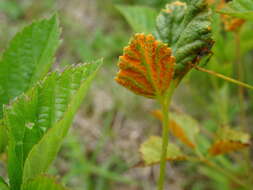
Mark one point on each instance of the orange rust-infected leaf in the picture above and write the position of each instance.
(146, 67)
(230, 23)
(180, 134)
(229, 140)
(223, 146)
(176, 130)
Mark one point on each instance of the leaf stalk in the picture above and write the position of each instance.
(245, 85)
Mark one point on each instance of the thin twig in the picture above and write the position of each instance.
(223, 77)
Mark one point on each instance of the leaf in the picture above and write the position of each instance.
(51, 141)
(28, 58)
(146, 67)
(230, 23)
(141, 18)
(39, 120)
(187, 29)
(240, 8)
(229, 140)
(182, 126)
(43, 183)
(152, 148)
(189, 126)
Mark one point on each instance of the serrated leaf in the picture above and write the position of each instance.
(189, 126)
(151, 151)
(186, 28)
(240, 8)
(182, 126)
(146, 67)
(39, 120)
(43, 183)
(229, 140)
(140, 18)
(28, 58)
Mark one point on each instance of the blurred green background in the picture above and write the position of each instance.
(102, 147)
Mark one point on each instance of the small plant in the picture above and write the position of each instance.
(153, 66)
(37, 107)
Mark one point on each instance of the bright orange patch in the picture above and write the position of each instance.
(225, 146)
(180, 134)
(146, 67)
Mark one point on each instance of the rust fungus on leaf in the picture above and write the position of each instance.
(230, 23)
(146, 66)
(223, 146)
(176, 129)
(229, 140)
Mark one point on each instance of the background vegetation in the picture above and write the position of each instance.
(102, 147)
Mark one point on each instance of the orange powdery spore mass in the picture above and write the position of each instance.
(146, 66)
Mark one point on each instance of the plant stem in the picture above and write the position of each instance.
(165, 102)
(223, 77)
(240, 75)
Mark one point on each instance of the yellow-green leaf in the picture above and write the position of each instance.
(182, 126)
(152, 148)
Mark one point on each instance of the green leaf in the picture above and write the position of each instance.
(43, 183)
(229, 140)
(28, 58)
(3, 185)
(186, 28)
(182, 126)
(240, 8)
(140, 18)
(39, 120)
(152, 148)
(189, 126)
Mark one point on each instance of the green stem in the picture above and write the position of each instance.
(224, 77)
(240, 74)
(165, 102)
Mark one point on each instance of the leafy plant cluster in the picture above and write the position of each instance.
(37, 107)
(186, 28)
